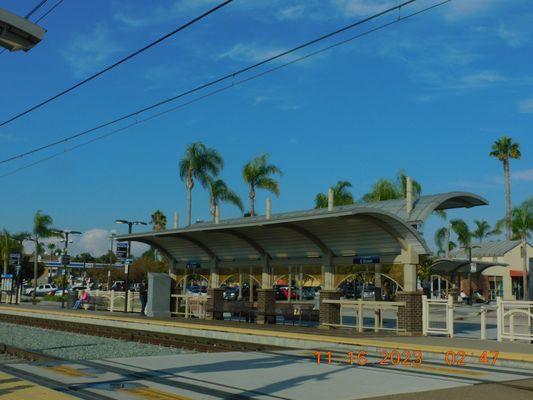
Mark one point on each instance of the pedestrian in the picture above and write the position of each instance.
(143, 295)
(83, 298)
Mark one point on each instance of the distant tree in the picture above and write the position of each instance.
(8, 245)
(84, 257)
(464, 235)
(41, 229)
(504, 149)
(483, 230)
(341, 196)
(386, 189)
(440, 241)
(522, 226)
(200, 163)
(51, 248)
(159, 221)
(220, 192)
(257, 174)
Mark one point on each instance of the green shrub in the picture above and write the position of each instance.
(49, 297)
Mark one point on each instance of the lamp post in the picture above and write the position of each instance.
(469, 248)
(112, 239)
(130, 228)
(65, 233)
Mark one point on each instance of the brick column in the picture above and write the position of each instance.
(410, 316)
(215, 303)
(266, 306)
(329, 313)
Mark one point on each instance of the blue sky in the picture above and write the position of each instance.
(428, 95)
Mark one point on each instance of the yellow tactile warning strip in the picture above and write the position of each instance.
(149, 393)
(520, 357)
(12, 388)
(66, 370)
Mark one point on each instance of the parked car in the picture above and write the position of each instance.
(43, 290)
(118, 286)
(27, 290)
(282, 293)
(309, 293)
(197, 290)
(75, 289)
(231, 293)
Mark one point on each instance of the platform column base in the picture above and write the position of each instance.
(215, 303)
(329, 313)
(410, 316)
(266, 306)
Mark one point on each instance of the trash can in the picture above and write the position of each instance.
(72, 297)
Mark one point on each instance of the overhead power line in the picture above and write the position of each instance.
(50, 10)
(225, 88)
(231, 75)
(29, 14)
(116, 64)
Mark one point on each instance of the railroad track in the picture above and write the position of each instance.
(134, 335)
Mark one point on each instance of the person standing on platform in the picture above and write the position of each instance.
(143, 294)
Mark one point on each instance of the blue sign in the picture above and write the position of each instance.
(366, 260)
(7, 276)
(193, 264)
(122, 250)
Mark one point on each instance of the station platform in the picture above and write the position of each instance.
(14, 388)
(287, 336)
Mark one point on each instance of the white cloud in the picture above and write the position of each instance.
(460, 9)
(525, 175)
(482, 78)
(249, 52)
(512, 38)
(88, 52)
(360, 8)
(294, 12)
(525, 106)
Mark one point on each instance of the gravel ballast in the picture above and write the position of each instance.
(73, 346)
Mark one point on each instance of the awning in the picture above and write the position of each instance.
(516, 274)
(447, 266)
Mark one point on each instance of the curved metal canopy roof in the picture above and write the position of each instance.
(446, 266)
(381, 228)
(315, 234)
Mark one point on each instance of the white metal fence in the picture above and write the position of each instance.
(438, 307)
(190, 306)
(376, 309)
(114, 301)
(514, 320)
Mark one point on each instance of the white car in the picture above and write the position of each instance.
(44, 289)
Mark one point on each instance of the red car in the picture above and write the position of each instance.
(283, 293)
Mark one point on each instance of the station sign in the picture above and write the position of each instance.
(122, 250)
(366, 260)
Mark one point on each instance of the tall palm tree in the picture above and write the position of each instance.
(159, 220)
(522, 226)
(461, 229)
(504, 149)
(41, 230)
(257, 173)
(7, 246)
(440, 241)
(220, 192)
(483, 230)
(341, 196)
(387, 189)
(200, 163)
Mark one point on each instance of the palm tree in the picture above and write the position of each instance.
(522, 226)
(341, 196)
(51, 248)
(257, 173)
(220, 192)
(7, 246)
(387, 189)
(159, 220)
(440, 241)
(504, 149)
(41, 230)
(483, 230)
(199, 162)
(460, 227)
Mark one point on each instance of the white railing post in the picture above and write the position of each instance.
(511, 327)
(425, 315)
(483, 323)
(360, 316)
(449, 316)
(112, 301)
(377, 319)
(186, 306)
(499, 318)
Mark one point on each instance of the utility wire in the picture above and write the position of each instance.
(116, 64)
(49, 11)
(28, 15)
(231, 75)
(223, 89)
